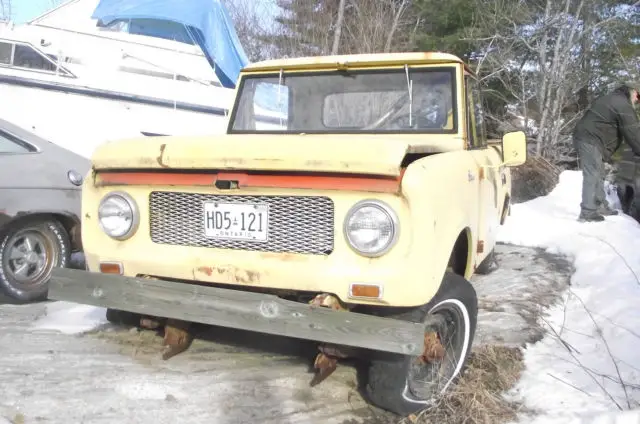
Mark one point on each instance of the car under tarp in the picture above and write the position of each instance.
(206, 21)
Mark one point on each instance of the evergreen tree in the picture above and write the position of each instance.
(305, 27)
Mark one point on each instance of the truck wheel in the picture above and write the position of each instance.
(406, 384)
(29, 251)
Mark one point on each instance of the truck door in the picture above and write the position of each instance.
(487, 159)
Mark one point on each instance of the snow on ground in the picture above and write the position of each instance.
(70, 318)
(589, 361)
(117, 376)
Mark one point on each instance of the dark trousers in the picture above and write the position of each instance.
(593, 175)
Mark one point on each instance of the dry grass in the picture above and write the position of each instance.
(477, 396)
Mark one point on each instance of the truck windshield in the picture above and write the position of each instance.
(401, 100)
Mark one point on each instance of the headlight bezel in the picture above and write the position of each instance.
(135, 212)
(385, 208)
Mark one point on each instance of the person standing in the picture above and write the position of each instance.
(599, 133)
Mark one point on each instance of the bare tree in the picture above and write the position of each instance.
(307, 27)
(538, 58)
(5, 9)
(291, 28)
(377, 26)
(338, 30)
(253, 22)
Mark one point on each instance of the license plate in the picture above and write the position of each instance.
(236, 221)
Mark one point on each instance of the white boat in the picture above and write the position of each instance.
(90, 71)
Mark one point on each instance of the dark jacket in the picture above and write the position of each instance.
(610, 119)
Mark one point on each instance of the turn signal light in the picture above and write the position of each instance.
(371, 291)
(111, 268)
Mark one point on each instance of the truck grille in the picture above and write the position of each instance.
(297, 224)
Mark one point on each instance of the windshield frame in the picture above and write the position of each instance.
(453, 69)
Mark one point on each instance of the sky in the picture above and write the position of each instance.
(24, 10)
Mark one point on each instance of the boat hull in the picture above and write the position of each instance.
(81, 118)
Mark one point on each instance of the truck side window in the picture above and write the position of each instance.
(481, 131)
(471, 119)
(475, 116)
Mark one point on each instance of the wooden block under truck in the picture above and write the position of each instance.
(349, 203)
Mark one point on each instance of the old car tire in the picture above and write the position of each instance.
(392, 380)
(28, 253)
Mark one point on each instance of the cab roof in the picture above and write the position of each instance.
(356, 60)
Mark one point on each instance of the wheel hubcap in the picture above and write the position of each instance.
(28, 258)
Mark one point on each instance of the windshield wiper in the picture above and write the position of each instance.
(280, 95)
(410, 89)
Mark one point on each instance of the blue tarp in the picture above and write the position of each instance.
(207, 21)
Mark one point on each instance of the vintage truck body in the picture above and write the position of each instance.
(314, 203)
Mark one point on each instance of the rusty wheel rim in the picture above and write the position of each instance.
(432, 372)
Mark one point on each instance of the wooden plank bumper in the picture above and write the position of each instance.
(236, 309)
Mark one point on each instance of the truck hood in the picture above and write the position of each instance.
(354, 154)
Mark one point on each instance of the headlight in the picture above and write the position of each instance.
(371, 227)
(118, 215)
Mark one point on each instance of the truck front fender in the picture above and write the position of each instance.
(442, 195)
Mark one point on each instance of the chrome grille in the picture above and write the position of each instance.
(297, 224)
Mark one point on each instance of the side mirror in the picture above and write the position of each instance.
(514, 148)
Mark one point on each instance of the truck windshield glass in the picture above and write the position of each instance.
(356, 101)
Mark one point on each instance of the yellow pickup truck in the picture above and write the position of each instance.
(349, 203)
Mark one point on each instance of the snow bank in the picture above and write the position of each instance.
(626, 417)
(142, 389)
(70, 318)
(589, 362)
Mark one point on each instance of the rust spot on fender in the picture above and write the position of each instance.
(160, 157)
(313, 162)
(233, 161)
(205, 270)
(146, 161)
(235, 274)
(320, 163)
(253, 276)
(285, 257)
